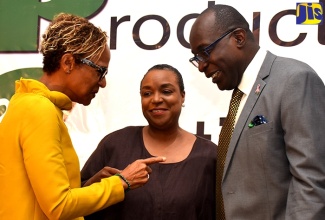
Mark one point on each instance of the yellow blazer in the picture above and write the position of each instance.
(39, 168)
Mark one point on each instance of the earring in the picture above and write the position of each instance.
(183, 105)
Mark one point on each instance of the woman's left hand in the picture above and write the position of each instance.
(105, 172)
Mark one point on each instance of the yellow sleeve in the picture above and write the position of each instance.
(51, 163)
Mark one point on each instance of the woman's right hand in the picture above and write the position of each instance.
(137, 173)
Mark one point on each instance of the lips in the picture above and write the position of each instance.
(158, 111)
(93, 94)
(215, 76)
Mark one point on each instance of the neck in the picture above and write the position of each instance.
(163, 135)
(174, 143)
(162, 139)
(52, 82)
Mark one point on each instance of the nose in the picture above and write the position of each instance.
(202, 65)
(156, 98)
(102, 82)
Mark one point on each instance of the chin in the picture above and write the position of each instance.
(86, 102)
(220, 87)
(224, 87)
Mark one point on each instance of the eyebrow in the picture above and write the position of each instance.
(199, 48)
(165, 85)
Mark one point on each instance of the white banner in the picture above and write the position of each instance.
(139, 39)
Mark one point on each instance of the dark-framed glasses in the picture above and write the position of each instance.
(204, 54)
(102, 71)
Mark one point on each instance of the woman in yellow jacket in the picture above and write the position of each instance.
(39, 168)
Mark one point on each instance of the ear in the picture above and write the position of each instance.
(183, 96)
(67, 62)
(240, 37)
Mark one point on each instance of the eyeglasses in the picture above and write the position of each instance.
(102, 71)
(204, 54)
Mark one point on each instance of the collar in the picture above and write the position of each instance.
(59, 99)
(251, 72)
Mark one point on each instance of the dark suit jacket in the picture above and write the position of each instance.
(277, 170)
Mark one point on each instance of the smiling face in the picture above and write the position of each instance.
(161, 98)
(224, 65)
(84, 81)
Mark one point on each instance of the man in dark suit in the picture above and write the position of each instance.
(275, 163)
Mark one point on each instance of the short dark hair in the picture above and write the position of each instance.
(170, 68)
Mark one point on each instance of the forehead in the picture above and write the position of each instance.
(203, 31)
(105, 57)
(159, 77)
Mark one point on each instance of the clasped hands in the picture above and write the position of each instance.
(136, 173)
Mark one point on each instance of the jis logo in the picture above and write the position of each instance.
(309, 13)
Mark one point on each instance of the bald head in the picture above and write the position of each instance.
(227, 17)
(224, 18)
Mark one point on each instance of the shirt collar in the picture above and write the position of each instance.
(251, 72)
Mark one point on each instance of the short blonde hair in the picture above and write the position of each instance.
(73, 34)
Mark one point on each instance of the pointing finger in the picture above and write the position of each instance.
(152, 160)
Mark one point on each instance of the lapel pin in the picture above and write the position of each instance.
(258, 89)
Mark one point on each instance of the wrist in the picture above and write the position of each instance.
(125, 181)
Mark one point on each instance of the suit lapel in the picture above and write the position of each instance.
(249, 106)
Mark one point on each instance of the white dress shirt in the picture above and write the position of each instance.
(249, 78)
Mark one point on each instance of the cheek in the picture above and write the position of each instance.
(85, 87)
(144, 110)
(88, 77)
(176, 103)
(144, 104)
(86, 90)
